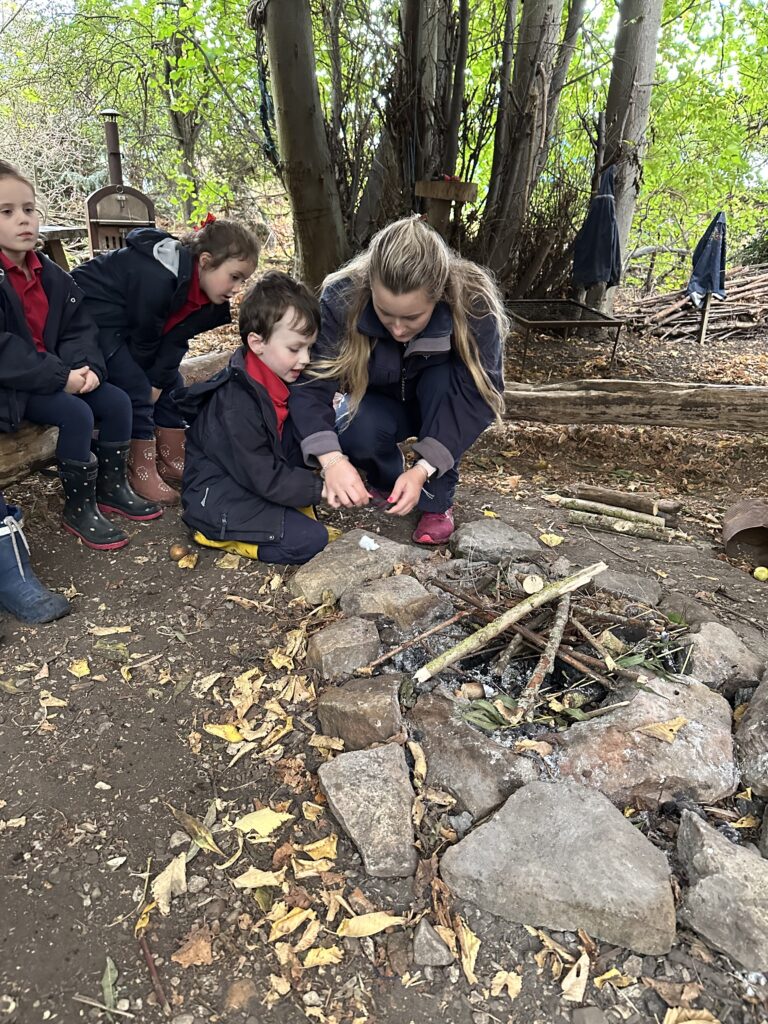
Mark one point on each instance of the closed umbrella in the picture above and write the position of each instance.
(596, 250)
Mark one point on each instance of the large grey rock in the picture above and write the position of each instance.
(493, 540)
(344, 565)
(343, 647)
(612, 755)
(720, 657)
(752, 741)
(640, 589)
(681, 606)
(429, 950)
(727, 898)
(479, 772)
(362, 712)
(400, 598)
(562, 856)
(370, 794)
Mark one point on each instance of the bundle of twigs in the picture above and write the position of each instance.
(672, 315)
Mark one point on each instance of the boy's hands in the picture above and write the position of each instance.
(91, 382)
(407, 491)
(76, 381)
(343, 485)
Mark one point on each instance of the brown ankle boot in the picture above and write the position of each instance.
(170, 453)
(143, 476)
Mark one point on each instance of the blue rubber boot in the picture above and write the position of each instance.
(21, 592)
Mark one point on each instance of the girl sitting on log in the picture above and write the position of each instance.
(52, 372)
(148, 299)
(412, 336)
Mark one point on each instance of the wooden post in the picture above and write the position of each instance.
(440, 195)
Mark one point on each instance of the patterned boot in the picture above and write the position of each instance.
(143, 476)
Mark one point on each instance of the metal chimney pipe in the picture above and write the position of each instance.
(112, 136)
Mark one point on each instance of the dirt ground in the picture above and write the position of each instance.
(102, 731)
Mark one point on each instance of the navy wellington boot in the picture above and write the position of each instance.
(21, 592)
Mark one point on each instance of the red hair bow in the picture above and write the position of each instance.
(209, 219)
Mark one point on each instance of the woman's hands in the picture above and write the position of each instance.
(81, 381)
(343, 485)
(407, 491)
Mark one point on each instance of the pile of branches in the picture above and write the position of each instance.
(673, 316)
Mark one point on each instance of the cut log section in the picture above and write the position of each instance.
(33, 447)
(641, 403)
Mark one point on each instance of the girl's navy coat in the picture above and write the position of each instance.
(394, 369)
(237, 479)
(131, 292)
(69, 337)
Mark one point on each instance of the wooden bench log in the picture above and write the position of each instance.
(33, 447)
(641, 403)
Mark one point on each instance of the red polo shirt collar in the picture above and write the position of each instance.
(34, 301)
(196, 299)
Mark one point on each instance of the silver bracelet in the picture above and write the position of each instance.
(331, 462)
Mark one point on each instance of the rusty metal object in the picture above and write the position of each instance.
(745, 530)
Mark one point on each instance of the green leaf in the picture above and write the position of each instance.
(109, 986)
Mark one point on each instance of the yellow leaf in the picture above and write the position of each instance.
(8, 687)
(368, 924)
(254, 878)
(469, 944)
(199, 832)
(323, 955)
(188, 561)
(489, 513)
(263, 822)
(228, 561)
(448, 935)
(171, 881)
(326, 742)
(551, 539)
(665, 731)
(322, 848)
(312, 811)
(678, 1015)
(307, 940)
(280, 660)
(310, 868)
(108, 630)
(125, 672)
(745, 794)
(540, 747)
(598, 982)
(80, 668)
(419, 764)
(48, 700)
(144, 916)
(224, 731)
(508, 980)
(277, 733)
(288, 924)
(235, 856)
(574, 984)
(748, 821)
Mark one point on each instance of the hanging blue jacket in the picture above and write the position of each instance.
(69, 336)
(131, 292)
(237, 480)
(394, 370)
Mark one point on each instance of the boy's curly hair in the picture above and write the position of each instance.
(268, 300)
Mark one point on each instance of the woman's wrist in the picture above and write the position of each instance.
(333, 460)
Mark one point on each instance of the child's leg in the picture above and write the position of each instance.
(21, 592)
(370, 440)
(126, 373)
(78, 467)
(171, 434)
(302, 539)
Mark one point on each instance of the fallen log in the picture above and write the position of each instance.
(599, 508)
(664, 507)
(641, 402)
(33, 447)
(622, 526)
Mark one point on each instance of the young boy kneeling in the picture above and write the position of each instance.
(245, 487)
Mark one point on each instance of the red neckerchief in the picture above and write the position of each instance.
(276, 389)
(196, 299)
(34, 301)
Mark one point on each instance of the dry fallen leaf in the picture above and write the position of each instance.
(307, 940)
(197, 831)
(254, 878)
(539, 747)
(322, 848)
(108, 630)
(195, 951)
(80, 668)
(666, 731)
(171, 881)
(228, 561)
(368, 924)
(224, 731)
(574, 984)
(322, 955)
(679, 1015)
(263, 822)
(508, 980)
(290, 922)
(312, 811)
(469, 944)
(48, 700)
(551, 539)
(748, 821)
(419, 764)
(143, 919)
(188, 561)
(326, 742)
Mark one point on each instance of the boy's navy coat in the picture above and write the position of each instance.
(394, 369)
(237, 479)
(131, 292)
(69, 337)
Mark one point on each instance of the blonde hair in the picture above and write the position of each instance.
(404, 257)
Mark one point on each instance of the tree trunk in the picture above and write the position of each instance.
(640, 402)
(305, 157)
(629, 99)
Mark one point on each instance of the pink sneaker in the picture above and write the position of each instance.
(434, 527)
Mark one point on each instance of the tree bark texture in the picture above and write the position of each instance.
(305, 156)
